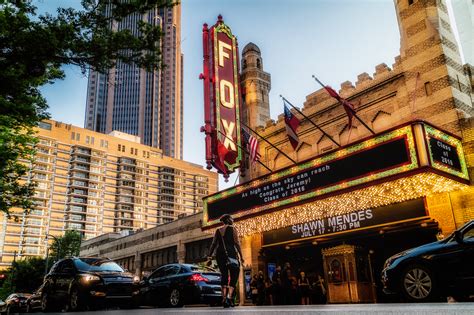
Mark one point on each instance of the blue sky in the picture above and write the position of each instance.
(334, 39)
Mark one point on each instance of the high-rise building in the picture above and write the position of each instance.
(95, 184)
(139, 102)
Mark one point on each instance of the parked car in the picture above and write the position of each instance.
(178, 284)
(14, 303)
(33, 303)
(435, 270)
(77, 283)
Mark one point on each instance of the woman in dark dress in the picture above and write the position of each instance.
(226, 241)
(303, 285)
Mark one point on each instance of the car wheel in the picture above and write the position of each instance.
(75, 301)
(45, 307)
(418, 284)
(175, 298)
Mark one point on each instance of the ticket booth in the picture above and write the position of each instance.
(348, 274)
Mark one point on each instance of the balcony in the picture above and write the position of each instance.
(80, 167)
(95, 178)
(127, 161)
(82, 201)
(80, 159)
(125, 200)
(78, 192)
(81, 151)
(76, 218)
(79, 175)
(126, 176)
(79, 183)
(77, 209)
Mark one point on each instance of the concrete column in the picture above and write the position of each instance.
(181, 252)
(251, 246)
(138, 264)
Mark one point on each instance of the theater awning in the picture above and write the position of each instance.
(407, 162)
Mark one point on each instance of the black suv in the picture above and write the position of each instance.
(434, 270)
(77, 283)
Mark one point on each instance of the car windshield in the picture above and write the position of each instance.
(97, 264)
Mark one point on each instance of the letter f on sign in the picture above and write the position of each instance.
(223, 53)
(229, 130)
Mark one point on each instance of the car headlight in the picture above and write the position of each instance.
(90, 278)
(391, 259)
(136, 279)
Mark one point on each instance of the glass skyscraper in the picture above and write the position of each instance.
(139, 102)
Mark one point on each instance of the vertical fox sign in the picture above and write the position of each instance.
(222, 98)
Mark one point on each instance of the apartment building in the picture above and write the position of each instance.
(96, 183)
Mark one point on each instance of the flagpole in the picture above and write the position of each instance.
(307, 118)
(352, 110)
(246, 151)
(286, 155)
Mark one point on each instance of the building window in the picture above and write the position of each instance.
(428, 88)
(410, 2)
(73, 135)
(44, 125)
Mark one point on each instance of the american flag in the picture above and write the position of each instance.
(251, 143)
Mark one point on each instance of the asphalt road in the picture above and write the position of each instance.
(359, 309)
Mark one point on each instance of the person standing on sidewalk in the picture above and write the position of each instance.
(227, 245)
(260, 288)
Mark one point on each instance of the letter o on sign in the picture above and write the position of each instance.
(223, 87)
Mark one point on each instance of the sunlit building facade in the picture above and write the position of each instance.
(95, 184)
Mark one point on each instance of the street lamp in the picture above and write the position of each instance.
(58, 242)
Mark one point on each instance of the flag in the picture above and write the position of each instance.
(348, 107)
(251, 143)
(292, 124)
(222, 152)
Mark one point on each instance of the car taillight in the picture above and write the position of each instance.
(197, 277)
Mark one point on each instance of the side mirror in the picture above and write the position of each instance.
(458, 237)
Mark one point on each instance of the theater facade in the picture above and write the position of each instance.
(342, 209)
(341, 214)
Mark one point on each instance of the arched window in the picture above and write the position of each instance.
(259, 65)
(244, 64)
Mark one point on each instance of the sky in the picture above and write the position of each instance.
(333, 39)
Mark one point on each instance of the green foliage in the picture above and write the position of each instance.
(32, 51)
(66, 246)
(24, 276)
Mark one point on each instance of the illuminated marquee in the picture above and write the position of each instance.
(399, 153)
(221, 98)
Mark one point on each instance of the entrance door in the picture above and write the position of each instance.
(348, 275)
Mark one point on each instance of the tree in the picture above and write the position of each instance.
(24, 275)
(67, 245)
(32, 51)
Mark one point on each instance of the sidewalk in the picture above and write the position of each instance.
(342, 309)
